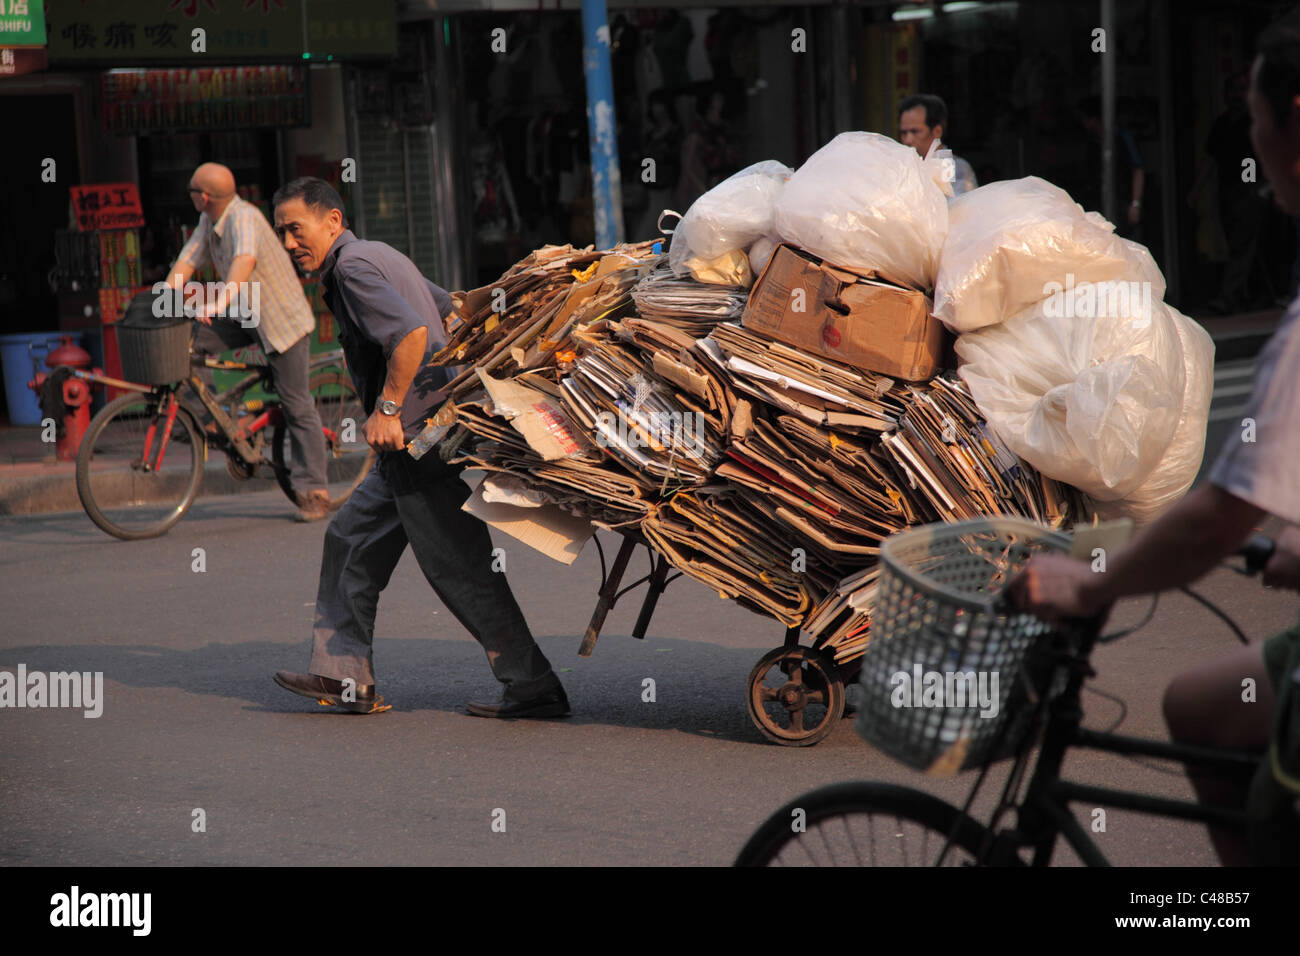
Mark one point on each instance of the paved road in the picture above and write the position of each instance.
(192, 720)
(1233, 383)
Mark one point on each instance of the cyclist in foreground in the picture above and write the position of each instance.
(1257, 473)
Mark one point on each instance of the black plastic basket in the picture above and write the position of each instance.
(936, 614)
(155, 350)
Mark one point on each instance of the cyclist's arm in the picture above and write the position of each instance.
(241, 267)
(1185, 542)
(1178, 547)
(180, 273)
(1283, 569)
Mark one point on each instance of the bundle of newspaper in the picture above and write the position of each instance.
(764, 472)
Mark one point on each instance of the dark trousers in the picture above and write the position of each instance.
(1242, 219)
(292, 370)
(406, 501)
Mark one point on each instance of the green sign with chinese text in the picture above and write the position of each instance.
(22, 23)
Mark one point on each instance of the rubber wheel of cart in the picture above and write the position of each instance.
(796, 696)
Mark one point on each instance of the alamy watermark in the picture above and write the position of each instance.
(657, 429)
(75, 909)
(206, 298)
(1097, 300)
(83, 690)
(948, 689)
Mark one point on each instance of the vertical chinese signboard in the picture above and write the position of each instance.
(112, 211)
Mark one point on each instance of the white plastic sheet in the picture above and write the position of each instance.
(864, 201)
(1008, 242)
(1092, 401)
(761, 251)
(1177, 469)
(728, 218)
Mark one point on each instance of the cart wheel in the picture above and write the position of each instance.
(796, 696)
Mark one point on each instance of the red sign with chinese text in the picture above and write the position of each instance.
(107, 206)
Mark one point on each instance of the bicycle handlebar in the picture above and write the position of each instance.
(1257, 551)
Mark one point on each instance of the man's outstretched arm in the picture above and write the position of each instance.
(384, 432)
(1177, 548)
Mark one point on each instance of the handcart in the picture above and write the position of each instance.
(795, 693)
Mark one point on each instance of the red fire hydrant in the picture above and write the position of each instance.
(71, 408)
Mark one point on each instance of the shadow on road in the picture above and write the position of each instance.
(703, 696)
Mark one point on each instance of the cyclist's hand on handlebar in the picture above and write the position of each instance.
(1283, 569)
(1053, 586)
(384, 432)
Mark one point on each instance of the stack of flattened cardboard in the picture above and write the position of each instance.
(524, 320)
(694, 307)
(770, 474)
(634, 414)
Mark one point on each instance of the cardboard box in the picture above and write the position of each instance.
(860, 320)
(548, 529)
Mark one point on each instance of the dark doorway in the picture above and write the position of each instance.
(38, 128)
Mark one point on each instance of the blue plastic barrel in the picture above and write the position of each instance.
(23, 355)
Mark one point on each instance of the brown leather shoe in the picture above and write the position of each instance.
(328, 691)
(316, 507)
(553, 704)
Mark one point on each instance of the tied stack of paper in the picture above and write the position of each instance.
(767, 473)
(685, 304)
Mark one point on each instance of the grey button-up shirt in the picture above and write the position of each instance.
(1260, 461)
(378, 298)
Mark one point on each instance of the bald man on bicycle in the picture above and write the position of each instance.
(236, 239)
(1256, 474)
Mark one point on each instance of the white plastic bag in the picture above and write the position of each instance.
(1092, 402)
(729, 217)
(1182, 459)
(761, 251)
(1009, 241)
(864, 201)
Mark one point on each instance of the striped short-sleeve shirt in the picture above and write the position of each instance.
(1260, 459)
(284, 314)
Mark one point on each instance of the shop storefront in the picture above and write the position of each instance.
(142, 92)
(1024, 87)
(701, 90)
(1023, 83)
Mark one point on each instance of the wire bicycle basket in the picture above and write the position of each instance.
(155, 350)
(949, 671)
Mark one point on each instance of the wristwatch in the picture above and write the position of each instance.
(389, 408)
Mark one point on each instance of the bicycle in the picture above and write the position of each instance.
(141, 462)
(831, 819)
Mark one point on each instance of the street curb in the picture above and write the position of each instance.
(1229, 348)
(52, 493)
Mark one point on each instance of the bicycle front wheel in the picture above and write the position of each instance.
(865, 824)
(348, 457)
(131, 482)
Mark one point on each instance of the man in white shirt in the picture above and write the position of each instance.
(235, 237)
(922, 119)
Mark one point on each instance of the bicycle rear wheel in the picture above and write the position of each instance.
(865, 824)
(348, 457)
(123, 485)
